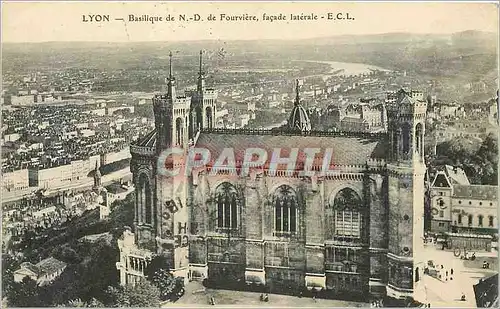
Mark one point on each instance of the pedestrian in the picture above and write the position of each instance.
(451, 271)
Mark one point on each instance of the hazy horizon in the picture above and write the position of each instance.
(45, 22)
(256, 39)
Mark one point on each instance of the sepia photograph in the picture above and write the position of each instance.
(249, 154)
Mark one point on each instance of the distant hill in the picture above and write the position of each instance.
(470, 54)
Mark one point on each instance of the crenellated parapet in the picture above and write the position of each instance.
(142, 151)
(287, 132)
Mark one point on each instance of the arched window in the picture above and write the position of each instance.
(406, 138)
(490, 221)
(480, 220)
(285, 210)
(196, 120)
(227, 206)
(419, 136)
(192, 124)
(179, 131)
(208, 115)
(459, 219)
(347, 215)
(199, 118)
(144, 199)
(395, 142)
(470, 220)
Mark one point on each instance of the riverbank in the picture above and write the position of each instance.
(348, 68)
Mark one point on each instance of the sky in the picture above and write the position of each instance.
(63, 21)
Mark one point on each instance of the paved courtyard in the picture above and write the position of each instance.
(439, 293)
(447, 293)
(196, 295)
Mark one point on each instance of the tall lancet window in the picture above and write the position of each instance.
(227, 206)
(395, 138)
(145, 199)
(419, 138)
(406, 138)
(208, 115)
(285, 210)
(199, 118)
(179, 130)
(347, 215)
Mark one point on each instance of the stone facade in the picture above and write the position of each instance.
(356, 228)
(459, 207)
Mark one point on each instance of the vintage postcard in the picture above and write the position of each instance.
(249, 154)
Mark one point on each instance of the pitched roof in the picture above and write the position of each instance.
(30, 267)
(478, 192)
(50, 265)
(441, 181)
(456, 175)
(354, 149)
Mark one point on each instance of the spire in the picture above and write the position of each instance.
(170, 66)
(201, 61)
(96, 169)
(297, 96)
(299, 119)
(171, 80)
(201, 77)
(97, 176)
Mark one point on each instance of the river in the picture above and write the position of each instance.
(348, 68)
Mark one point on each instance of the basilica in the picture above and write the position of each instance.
(357, 228)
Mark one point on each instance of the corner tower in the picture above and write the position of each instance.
(172, 120)
(406, 112)
(171, 116)
(204, 104)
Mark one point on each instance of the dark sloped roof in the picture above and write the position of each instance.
(480, 192)
(299, 120)
(149, 140)
(115, 188)
(347, 150)
(441, 181)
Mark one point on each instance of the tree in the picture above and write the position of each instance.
(158, 262)
(93, 303)
(142, 294)
(158, 272)
(25, 294)
(478, 160)
(487, 160)
(9, 265)
(88, 279)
